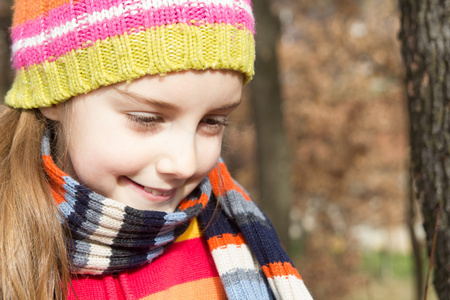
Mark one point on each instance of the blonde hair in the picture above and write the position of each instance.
(33, 255)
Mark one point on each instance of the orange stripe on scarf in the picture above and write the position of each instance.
(281, 269)
(224, 240)
(184, 204)
(221, 182)
(57, 177)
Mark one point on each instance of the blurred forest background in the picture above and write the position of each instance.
(345, 118)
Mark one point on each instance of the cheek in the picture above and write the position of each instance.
(95, 155)
(88, 160)
(209, 155)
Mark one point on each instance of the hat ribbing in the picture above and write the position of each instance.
(62, 48)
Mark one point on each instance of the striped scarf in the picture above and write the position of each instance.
(109, 237)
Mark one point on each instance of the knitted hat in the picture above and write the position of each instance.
(62, 48)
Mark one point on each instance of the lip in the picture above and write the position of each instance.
(152, 194)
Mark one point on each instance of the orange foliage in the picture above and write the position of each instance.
(346, 118)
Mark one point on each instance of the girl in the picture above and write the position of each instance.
(111, 181)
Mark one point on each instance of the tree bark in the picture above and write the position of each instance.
(5, 64)
(272, 154)
(416, 248)
(425, 36)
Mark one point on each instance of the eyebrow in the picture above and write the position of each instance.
(228, 106)
(143, 100)
(164, 105)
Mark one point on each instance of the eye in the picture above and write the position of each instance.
(214, 125)
(144, 120)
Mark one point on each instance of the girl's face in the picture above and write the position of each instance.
(149, 143)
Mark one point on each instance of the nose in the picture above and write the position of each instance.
(179, 158)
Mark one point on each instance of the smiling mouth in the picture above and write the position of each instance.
(157, 193)
(154, 192)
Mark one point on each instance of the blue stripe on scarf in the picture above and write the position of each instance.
(241, 283)
(246, 284)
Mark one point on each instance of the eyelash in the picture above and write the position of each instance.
(215, 122)
(151, 122)
(213, 126)
(147, 122)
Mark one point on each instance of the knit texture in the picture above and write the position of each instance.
(108, 236)
(185, 271)
(63, 48)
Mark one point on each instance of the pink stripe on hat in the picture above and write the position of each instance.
(63, 20)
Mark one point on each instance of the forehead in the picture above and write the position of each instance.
(185, 87)
(209, 90)
(176, 82)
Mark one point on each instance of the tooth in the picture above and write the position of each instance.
(157, 193)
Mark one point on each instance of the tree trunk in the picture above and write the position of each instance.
(272, 154)
(5, 64)
(416, 248)
(425, 37)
